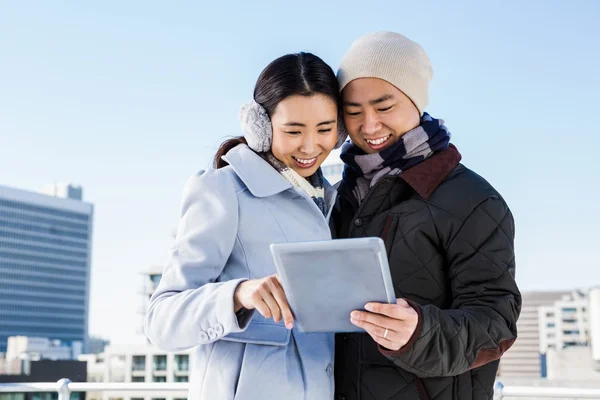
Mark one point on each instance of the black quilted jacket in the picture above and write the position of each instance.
(449, 237)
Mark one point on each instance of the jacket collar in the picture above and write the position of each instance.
(261, 179)
(425, 177)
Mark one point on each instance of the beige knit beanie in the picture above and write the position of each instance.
(392, 57)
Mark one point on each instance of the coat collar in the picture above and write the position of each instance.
(261, 179)
(425, 177)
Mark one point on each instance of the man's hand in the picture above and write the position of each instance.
(390, 325)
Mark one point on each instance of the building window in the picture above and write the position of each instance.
(569, 309)
(138, 363)
(569, 320)
(138, 379)
(42, 396)
(12, 396)
(160, 363)
(159, 379)
(571, 332)
(543, 365)
(550, 325)
(182, 362)
(32, 237)
(180, 378)
(572, 344)
(45, 210)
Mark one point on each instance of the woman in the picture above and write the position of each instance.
(219, 291)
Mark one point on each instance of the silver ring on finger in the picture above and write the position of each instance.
(385, 333)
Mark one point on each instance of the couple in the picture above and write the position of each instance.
(448, 233)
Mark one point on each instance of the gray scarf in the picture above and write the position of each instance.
(363, 170)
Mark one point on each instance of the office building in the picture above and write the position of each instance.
(523, 359)
(45, 250)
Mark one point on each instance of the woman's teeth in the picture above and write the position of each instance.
(378, 141)
(306, 161)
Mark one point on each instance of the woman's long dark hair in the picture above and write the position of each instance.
(293, 74)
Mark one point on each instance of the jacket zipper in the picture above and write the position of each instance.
(388, 225)
(384, 234)
(421, 388)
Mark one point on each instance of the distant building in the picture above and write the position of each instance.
(523, 359)
(46, 371)
(333, 167)
(96, 345)
(21, 347)
(150, 280)
(63, 191)
(553, 323)
(594, 318)
(45, 253)
(571, 364)
(333, 172)
(565, 323)
(95, 366)
(138, 363)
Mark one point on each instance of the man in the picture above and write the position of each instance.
(448, 233)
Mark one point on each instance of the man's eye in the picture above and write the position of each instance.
(353, 113)
(385, 109)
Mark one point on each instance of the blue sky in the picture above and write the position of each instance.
(128, 99)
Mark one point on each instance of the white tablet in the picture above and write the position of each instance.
(325, 281)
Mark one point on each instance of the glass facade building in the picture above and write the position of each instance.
(45, 251)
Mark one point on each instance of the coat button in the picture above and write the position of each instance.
(345, 338)
(218, 329)
(203, 336)
(358, 222)
(329, 369)
(211, 333)
(341, 397)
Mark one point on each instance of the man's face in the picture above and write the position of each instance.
(377, 113)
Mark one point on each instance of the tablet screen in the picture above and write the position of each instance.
(325, 281)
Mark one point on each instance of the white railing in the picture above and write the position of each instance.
(65, 387)
(546, 392)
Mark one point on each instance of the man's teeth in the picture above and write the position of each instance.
(378, 141)
(303, 161)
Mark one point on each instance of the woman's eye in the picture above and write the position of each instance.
(293, 132)
(353, 113)
(325, 130)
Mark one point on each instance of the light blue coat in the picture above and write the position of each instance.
(229, 218)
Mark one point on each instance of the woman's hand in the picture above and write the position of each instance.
(390, 325)
(266, 295)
